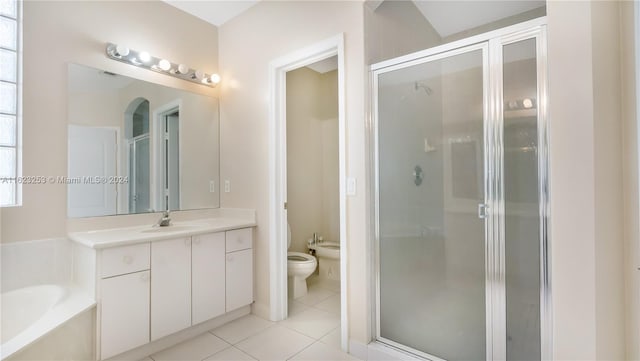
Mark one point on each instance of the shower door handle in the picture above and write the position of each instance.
(483, 210)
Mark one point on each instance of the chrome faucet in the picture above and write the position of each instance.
(165, 221)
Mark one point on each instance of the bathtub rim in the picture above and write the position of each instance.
(74, 303)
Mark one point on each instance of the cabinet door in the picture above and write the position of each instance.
(208, 276)
(124, 310)
(239, 278)
(170, 286)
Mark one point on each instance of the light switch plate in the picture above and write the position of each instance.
(212, 186)
(227, 186)
(351, 186)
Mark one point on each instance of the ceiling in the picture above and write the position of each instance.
(451, 17)
(324, 66)
(215, 12)
(447, 17)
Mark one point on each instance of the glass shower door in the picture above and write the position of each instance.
(140, 182)
(431, 193)
(522, 193)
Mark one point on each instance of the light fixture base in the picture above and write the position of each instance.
(133, 57)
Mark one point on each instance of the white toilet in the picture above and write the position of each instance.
(299, 267)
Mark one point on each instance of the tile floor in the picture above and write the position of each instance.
(312, 332)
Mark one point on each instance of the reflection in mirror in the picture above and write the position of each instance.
(138, 147)
(136, 119)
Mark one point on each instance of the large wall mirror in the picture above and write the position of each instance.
(138, 147)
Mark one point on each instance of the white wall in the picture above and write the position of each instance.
(247, 44)
(312, 157)
(630, 179)
(586, 243)
(58, 32)
(395, 28)
(609, 208)
(330, 156)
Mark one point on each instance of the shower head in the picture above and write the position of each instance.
(419, 85)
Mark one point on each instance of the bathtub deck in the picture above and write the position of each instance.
(74, 303)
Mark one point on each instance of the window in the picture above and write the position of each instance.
(10, 102)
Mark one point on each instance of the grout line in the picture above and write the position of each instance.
(257, 333)
(296, 331)
(333, 329)
(244, 353)
(247, 353)
(271, 324)
(306, 347)
(227, 343)
(215, 353)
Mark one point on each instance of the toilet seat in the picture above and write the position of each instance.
(300, 258)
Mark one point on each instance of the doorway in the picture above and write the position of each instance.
(166, 156)
(461, 200)
(278, 174)
(312, 194)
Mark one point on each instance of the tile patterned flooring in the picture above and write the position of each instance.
(312, 332)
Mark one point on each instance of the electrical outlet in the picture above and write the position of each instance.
(227, 186)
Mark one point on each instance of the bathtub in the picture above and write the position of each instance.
(27, 314)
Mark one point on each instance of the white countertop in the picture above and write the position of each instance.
(139, 234)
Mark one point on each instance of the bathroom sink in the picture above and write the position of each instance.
(169, 229)
(328, 249)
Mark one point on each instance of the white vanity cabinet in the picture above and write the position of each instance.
(239, 268)
(170, 286)
(149, 291)
(124, 299)
(208, 276)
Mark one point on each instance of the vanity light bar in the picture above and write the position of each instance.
(142, 59)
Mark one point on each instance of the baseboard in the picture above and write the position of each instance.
(358, 349)
(184, 335)
(261, 310)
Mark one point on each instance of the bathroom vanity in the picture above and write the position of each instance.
(151, 283)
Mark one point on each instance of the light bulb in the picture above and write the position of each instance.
(215, 78)
(164, 64)
(199, 74)
(121, 50)
(527, 103)
(144, 57)
(183, 69)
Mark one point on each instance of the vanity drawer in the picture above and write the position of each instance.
(239, 239)
(127, 259)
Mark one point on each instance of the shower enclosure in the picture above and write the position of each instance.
(461, 199)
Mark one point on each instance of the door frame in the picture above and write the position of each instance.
(492, 43)
(278, 68)
(157, 156)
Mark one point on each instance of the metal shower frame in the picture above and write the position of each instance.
(491, 44)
